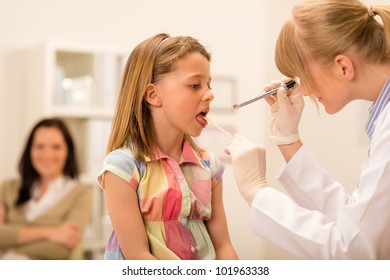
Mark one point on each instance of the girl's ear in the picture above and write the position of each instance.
(344, 67)
(152, 96)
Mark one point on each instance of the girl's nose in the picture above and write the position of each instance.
(209, 96)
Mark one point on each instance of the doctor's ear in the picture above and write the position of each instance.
(152, 96)
(344, 67)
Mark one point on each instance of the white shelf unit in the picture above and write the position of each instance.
(54, 62)
(78, 83)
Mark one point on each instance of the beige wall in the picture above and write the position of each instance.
(241, 36)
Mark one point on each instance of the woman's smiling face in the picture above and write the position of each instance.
(49, 152)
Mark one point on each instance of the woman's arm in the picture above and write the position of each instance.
(38, 242)
(217, 227)
(2, 213)
(13, 235)
(289, 150)
(81, 211)
(43, 250)
(122, 204)
(66, 234)
(69, 232)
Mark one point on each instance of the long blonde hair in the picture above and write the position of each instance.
(132, 124)
(319, 30)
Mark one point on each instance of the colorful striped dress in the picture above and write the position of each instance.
(174, 200)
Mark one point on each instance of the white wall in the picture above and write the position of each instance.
(241, 36)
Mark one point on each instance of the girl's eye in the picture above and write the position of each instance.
(195, 86)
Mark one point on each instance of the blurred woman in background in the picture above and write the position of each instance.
(44, 212)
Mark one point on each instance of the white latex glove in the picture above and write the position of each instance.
(249, 166)
(286, 111)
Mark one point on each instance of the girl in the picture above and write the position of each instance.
(163, 193)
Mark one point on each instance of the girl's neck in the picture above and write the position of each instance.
(171, 146)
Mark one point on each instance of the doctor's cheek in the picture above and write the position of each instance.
(304, 89)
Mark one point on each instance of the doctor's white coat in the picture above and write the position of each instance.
(325, 222)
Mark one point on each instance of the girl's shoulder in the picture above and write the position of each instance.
(124, 164)
(212, 162)
(208, 156)
(122, 157)
(123, 152)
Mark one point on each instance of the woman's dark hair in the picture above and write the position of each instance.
(27, 172)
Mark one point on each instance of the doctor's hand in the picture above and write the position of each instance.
(286, 109)
(249, 166)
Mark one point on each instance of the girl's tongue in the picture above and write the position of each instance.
(201, 119)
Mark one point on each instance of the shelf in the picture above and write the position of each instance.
(73, 80)
(81, 112)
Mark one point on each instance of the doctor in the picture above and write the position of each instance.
(341, 53)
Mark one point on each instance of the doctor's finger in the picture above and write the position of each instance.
(283, 98)
(286, 79)
(232, 149)
(271, 99)
(229, 148)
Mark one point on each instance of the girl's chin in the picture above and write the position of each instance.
(195, 133)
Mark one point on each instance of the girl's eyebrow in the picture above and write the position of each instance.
(197, 76)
